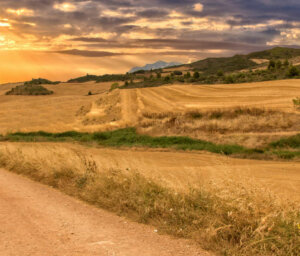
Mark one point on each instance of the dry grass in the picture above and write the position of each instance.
(105, 110)
(56, 113)
(222, 123)
(228, 217)
(70, 109)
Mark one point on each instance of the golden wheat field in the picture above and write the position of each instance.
(248, 114)
(178, 170)
(265, 112)
(256, 196)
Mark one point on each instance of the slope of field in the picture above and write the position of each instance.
(155, 110)
(55, 112)
(178, 170)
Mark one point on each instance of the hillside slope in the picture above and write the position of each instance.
(240, 62)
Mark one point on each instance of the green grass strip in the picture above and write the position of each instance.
(128, 137)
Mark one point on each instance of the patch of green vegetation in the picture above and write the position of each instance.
(109, 78)
(229, 64)
(114, 86)
(29, 90)
(275, 53)
(275, 71)
(296, 103)
(148, 82)
(83, 79)
(100, 79)
(40, 81)
(290, 142)
(130, 138)
(239, 62)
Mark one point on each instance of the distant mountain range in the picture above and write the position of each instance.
(156, 65)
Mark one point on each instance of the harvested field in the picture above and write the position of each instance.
(247, 114)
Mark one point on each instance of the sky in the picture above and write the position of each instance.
(60, 39)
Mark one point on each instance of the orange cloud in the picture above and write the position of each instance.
(22, 11)
(198, 7)
(65, 7)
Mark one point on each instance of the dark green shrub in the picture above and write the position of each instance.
(177, 73)
(196, 75)
(29, 90)
(272, 64)
(293, 71)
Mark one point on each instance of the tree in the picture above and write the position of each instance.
(278, 64)
(286, 63)
(126, 83)
(229, 79)
(158, 75)
(188, 74)
(167, 78)
(293, 71)
(272, 64)
(90, 93)
(220, 73)
(196, 75)
(177, 73)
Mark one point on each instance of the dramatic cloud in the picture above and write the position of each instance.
(106, 28)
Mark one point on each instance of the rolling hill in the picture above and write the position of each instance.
(240, 62)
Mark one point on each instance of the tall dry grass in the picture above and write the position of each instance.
(225, 124)
(228, 217)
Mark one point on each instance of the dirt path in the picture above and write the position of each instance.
(38, 220)
(129, 106)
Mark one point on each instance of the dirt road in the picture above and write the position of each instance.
(38, 220)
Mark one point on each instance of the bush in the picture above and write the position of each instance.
(196, 75)
(229, 79)
(220, 73)
(29, 90)
(187, 75)
(272, 64)
(39, 81)
(177, 73)
(293, 71)
(278, 64)
(114, 86)
(297, 103)
(167, 78)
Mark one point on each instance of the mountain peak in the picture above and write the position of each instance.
(157, 65)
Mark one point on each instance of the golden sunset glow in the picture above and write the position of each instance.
(99, 30)
(20, 11)
(65, 7)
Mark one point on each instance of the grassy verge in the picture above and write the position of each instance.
(290, 142)
(130, 138)
(230, 219)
